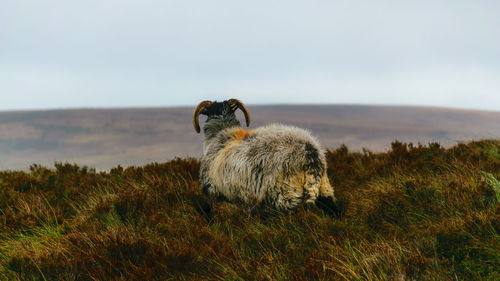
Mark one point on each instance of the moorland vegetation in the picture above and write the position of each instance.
(412, 213)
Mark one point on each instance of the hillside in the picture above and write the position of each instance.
(105, 138)
(411, 213)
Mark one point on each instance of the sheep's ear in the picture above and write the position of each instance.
(201, 107)
(235, 104)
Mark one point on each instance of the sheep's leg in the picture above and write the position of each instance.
(288, 199)
(207, 189)
(328, 205)
(311, 187)
(212, 192)
(326, 199)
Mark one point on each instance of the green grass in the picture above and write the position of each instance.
(413, 213)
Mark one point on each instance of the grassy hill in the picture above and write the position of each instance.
(412, 213)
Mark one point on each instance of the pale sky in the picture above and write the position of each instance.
(98, 53)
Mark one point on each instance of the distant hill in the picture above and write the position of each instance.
(103, 138)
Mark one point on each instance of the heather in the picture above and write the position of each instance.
(415, 212)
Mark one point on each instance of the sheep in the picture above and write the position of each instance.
(275, 165)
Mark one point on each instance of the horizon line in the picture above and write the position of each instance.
(69, 108)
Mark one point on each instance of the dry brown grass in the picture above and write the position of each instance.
(413, 213)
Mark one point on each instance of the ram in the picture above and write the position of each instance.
(274, 165)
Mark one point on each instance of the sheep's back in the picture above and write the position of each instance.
(252, 164)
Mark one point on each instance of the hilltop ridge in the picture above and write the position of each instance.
(104, 138)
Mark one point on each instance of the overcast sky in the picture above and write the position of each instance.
(98, 53)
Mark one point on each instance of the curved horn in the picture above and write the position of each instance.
(242, 107)
(196, 114)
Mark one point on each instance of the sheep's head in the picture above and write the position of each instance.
(218, 110)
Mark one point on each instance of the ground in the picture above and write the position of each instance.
(412, 213)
